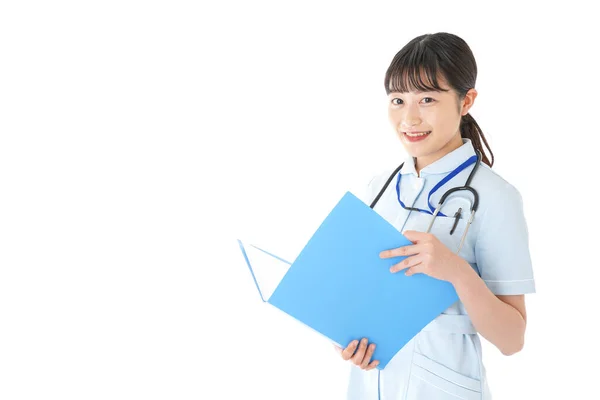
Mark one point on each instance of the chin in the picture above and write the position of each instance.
(416, 152)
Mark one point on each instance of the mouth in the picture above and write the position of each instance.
(415, 136)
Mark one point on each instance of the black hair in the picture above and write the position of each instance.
(426, 58)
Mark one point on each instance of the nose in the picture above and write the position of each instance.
(410, 118)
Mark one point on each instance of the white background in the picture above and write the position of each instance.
(140, 139)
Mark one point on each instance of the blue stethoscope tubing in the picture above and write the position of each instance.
(466, 187)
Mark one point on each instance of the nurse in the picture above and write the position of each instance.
(431, 88)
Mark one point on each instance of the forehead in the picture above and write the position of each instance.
(416, 79)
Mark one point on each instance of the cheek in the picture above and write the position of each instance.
(432, 120)
(393, 117)
(442, 122)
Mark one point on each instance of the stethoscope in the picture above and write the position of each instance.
(476, 159)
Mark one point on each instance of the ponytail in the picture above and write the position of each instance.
(469, 129)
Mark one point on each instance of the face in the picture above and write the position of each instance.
(428, 123)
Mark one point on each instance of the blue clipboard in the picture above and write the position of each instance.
(340, 287)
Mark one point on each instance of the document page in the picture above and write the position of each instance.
(269, 269)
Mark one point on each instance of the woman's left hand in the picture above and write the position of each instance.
(426, 256)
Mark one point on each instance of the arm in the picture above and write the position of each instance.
(499, 319)
(495, 300)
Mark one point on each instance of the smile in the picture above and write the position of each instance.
(413, 137)
(417, 134)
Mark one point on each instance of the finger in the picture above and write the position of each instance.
(407, 263)
(401, 251)
(417, 269)
(414, 236)
(349, 350)
(360, 353)
(373, 364)
(368, 356)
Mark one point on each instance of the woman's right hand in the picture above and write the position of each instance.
(361, 356)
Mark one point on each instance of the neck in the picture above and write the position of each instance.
(422, 162)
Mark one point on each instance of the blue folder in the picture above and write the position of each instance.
(340, 287)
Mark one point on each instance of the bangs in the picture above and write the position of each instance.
(416, 70)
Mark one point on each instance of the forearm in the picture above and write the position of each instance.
(498, 322)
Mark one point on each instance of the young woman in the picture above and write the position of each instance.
(431, 88)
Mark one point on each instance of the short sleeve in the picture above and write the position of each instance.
(502, 248)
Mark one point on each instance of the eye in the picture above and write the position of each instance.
(427, 100)
(396, 101)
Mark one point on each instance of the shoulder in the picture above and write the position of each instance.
(491, 184)
(497, 196)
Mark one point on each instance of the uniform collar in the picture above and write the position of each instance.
(445, 164)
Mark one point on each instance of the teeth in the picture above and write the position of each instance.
(417, 134)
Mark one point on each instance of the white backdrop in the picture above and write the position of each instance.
(140, 139)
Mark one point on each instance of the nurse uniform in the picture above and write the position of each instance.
(444, 361)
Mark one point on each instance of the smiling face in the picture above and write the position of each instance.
(428, 122)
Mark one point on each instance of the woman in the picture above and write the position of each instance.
(431, 88)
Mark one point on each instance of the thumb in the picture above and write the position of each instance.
(413, 236)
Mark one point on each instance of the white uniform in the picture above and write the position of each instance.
(444, 361)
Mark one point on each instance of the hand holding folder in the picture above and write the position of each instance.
(340, 287)
(360, 352)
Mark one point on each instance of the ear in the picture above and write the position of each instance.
(468, 101)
